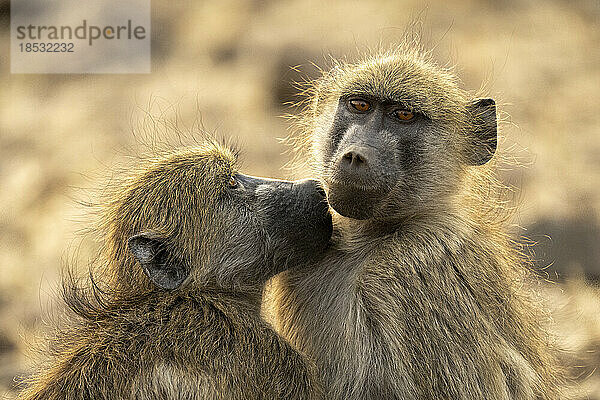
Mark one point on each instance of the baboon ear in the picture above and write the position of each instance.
(164, 271)
(484, 135)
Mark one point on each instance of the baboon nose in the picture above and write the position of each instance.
(354, 158)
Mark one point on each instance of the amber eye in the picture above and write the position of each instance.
(404, 115)
(232, 182)
(359, 105)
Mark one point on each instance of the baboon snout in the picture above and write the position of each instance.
(298, 221)
(354, 165)
(312, 188)
(360, 177)
(314, 199)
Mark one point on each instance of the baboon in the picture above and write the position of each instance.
(422, 294)
(189, 243)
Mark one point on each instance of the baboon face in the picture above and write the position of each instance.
(392, 136)
(270, 225)
(203, 218)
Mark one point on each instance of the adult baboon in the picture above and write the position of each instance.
(189, 244)
(422, 294)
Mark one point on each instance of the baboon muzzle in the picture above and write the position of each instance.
(296, 217)
(357, 181)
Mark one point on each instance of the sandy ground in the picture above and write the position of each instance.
(228, 65)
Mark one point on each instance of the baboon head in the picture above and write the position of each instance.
(392, 135)
(192, 217)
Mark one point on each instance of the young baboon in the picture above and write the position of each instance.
(422, 294)
(189, 244)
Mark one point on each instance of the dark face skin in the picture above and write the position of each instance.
(382, 159)
(371, 140)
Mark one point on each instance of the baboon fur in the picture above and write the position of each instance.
(202, 340)
(428, 298)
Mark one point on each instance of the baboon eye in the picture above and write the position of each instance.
(404, 115)
(233, 182)
(359, 105)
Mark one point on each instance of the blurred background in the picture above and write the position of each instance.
(231, 66)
